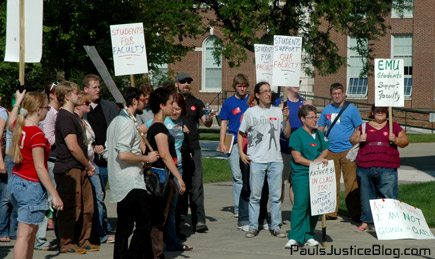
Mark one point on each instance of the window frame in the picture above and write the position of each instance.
(205, 48)
(408, 78)
(350, 77)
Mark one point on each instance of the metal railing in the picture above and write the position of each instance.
(408, 118)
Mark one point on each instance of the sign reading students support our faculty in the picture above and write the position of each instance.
(389, 83)
(323, 190)
(286, 60)
(397, 220)
(263, 62)
(129, 52)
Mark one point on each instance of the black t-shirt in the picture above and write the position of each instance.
(155, 129)
(68, 123)
(99, 125)
(195, 110)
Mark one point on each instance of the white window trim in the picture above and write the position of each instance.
(352, 96)
(395, 14)
(203, 69)
(407, 97)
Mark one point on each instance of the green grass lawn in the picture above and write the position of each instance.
(418, 195)
(216, 170)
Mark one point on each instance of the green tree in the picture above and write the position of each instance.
(247, 22)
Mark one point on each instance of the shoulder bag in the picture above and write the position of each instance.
(353, 152)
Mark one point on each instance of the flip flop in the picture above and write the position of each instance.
(49, 248)
(5, 239)
(185, 248)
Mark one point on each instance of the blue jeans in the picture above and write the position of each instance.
(172, 241)
(274, 179)
(104, 178)
(375, 183)
(99, 206)
(233, 160)
(8, 213)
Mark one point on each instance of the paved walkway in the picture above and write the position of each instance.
(224, 241)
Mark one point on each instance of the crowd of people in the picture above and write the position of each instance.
(68, 144)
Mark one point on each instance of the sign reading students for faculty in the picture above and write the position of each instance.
(129, 52)
(389, 83)
(263, 62)
(287, 51)
(32, 31)
(397, 220)
(323, 190)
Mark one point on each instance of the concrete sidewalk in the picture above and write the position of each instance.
(223, 240)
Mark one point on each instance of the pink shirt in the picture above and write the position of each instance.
(377, 150)
(47, 125)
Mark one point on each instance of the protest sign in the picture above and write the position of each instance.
(397, 220)
(389, 83)
(287, 60)
(263, 63)
(323, 190)
(129, 52)
(32, 31)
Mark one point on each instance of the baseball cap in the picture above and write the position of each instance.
(182, 76)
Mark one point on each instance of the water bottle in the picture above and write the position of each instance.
(207, 112)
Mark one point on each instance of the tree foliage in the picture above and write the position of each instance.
(247, 22)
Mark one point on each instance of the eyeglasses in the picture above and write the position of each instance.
(46, 107)
(266, 92)
(55, 83)
(380, 111)
(78, 93)
(143, 99)
(311, 117)
(185, 81)
(86, 103)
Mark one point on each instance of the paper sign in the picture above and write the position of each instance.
(389, 83)
(323, 189)
(397, 220)
(287, 60)
(263, 63)
(129, 52)
(32, 31)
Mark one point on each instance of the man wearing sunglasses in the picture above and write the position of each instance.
(191, 151)
(101, 114)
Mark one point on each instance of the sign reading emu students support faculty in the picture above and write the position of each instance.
(397, 220)
(389, 83)
(323, 190)
(287, 52)
(129, 52)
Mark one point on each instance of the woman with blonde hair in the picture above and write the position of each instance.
(30, 180)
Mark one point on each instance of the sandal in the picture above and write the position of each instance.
(5, 239)
(49, 248)
(362, 228)
(185, 248)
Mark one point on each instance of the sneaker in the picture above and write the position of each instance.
(252, 233)
(110, 240)
(311, 242)
(266, 227)
(76, 250)
(92, 248)
(201, 227)
(244, 228)
(278, 233)
(291, 243)
(236, 215)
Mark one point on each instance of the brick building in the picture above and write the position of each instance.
(411, 37)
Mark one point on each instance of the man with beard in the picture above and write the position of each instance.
(101, 114)
(191, 151)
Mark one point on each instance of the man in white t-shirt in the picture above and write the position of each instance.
(262, 125)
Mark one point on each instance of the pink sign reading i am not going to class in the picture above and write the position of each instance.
(129, 51)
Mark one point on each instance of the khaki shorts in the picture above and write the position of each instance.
(286, 175)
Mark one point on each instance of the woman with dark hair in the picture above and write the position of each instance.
(161, 104)
(377, 160)
(308, 145)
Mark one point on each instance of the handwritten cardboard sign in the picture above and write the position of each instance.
(389, 82)
(287, 60)
(323, 190)
(129, 52)
(397, 220)
(32, 31)
(263, 63)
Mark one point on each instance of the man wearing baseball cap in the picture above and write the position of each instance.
(191, 151)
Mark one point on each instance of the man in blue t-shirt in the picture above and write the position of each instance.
(230, 116)
(349, 121)
(294, 102)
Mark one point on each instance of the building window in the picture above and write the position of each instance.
(160, 75)
(211, 68)
(402, 49)
(357, 84)
(405, 13)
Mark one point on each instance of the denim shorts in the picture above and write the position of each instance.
(30, 198)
